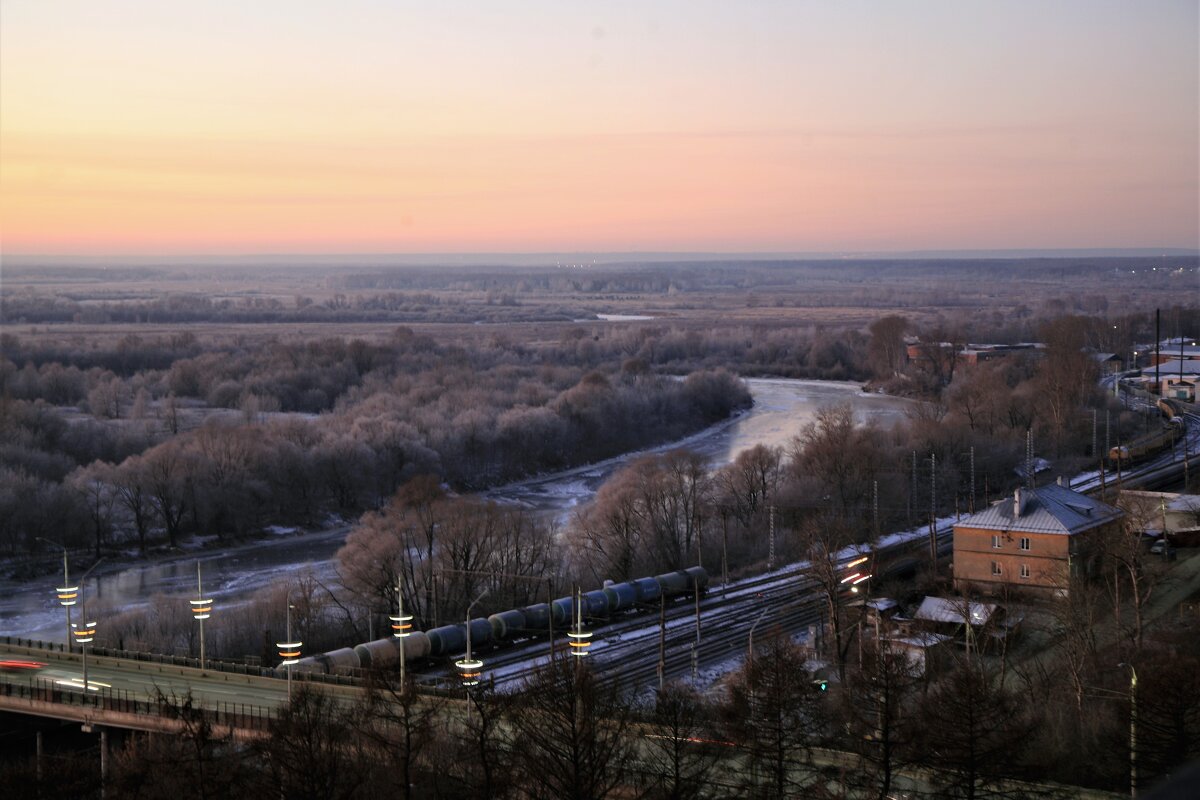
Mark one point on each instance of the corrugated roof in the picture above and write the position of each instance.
(1046, 509)
(940, 609)
(1189, 366)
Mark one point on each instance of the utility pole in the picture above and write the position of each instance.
(1157, 344)
(1104, 455)
(875, 508)
(724, 554)
(972, 479)
(1029, 458)
(1133, 775)
(662, 641)
(912, 489)
(1094, 441)
(771, 541)
(933, 511)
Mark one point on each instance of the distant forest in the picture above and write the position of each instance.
(548, 294)
(144, 425)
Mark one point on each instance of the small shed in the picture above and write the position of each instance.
(922, 649)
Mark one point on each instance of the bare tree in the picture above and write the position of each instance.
(681, 755)
(875, 706)
(886, 347)
(776, 714)
(571, 735)
(132, 485)
(315, 751)
(974, 734)
(92, 485)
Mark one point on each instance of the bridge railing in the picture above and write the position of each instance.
(235, 715)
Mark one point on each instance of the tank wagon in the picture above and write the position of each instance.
(508, 626)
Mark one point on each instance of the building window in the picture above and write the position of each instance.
(1024, 570)
(995, 568)
(996, 541)
(1024, 542)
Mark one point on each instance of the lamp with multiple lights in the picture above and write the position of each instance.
(580, 640)
(84, 633)
(201, 609)
(402, 627)
(68, 595)
(469, 668)
(289, 650)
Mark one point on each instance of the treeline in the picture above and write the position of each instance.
(32, 308)
(161, 463)
(1013, 286)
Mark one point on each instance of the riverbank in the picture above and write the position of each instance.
(782, 407)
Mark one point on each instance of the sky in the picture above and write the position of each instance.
(387, 126)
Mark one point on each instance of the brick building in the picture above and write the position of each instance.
(1032, 540)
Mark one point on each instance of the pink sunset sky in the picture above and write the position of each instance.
(395, 127)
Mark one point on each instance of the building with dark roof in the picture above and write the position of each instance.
(1037, 539)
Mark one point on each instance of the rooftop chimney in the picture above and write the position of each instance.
(1062, 481)
(1017, 502)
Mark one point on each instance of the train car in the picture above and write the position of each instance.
(595, 604)
(1146, 446)
(450, 639)
(330, 663)
(385, 653)
(698, 577)
(508, 624)
(537, 617)
(562, 609)
(648, 590)
(1171, 408)
(621, 596)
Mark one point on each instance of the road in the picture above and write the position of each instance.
(143, 680)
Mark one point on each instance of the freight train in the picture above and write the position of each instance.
(508, 626)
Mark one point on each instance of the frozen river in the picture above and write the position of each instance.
(781, 410)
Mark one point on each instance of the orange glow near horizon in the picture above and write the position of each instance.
(655, 135)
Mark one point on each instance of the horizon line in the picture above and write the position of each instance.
(30, 259)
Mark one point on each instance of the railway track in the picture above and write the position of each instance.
(627, 649)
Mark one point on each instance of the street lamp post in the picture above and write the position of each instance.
(201, 608)
(289, 650)
(580, 640)
(401, 628)
(1133, 776)
(750, 642)
(84, 631)
(470, 668)
(67, 594)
